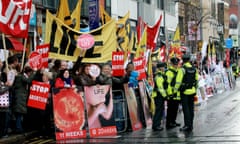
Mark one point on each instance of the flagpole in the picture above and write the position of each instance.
(5, 51)
(24, 51)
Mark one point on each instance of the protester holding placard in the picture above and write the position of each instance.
(21, 88)
(64, 80)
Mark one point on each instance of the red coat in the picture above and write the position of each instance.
(59, 83)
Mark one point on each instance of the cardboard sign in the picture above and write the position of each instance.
(38, 97)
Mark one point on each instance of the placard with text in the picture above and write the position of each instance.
(99, 104)
(69, 115)
(38, 96)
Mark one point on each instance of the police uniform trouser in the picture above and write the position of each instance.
(159, 104)
(172, 110)
(188, 109)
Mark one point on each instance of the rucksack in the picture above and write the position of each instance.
(165, 83)
(174, 77)
(189, 79)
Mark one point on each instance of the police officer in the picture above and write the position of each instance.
(186, 82)
(173, 98)
(159, 94)
(235, 70)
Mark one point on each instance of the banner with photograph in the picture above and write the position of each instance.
(38, 96)
(69, 115)
(145, 105)
(134, 115)
(99, 104)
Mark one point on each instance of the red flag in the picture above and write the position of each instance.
(153, 33)
(162, 53)
(14, 17)
(140, 28)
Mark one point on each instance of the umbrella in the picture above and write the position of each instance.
(11, 43)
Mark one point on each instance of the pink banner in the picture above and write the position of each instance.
(99, 105)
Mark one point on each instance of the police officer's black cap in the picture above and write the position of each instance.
(161, 64)
(174, 60)
(186, 57)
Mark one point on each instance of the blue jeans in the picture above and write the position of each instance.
(118, 111)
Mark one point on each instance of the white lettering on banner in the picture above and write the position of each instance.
(19, 13)
(38, 98)
(102, 131)
(39, 88)
(118, 57)
(43, 50)
(74, 134)
(117, 67)
(138, 63)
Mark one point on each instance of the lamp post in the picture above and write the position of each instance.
(220, 31)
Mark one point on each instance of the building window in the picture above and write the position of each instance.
(160, 4)
(170, 6)
(147, 1)
(51, 4)
(108, 6)
(213, 7)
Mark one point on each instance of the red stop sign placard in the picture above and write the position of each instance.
(35, 60)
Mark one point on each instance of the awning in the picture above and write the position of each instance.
(11, 44)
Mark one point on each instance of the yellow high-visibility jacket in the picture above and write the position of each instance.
(159, 81)
(179, 81)
(170, 73)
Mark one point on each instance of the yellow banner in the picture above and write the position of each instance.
(63, 12)
(176, 39)
(124, 32)
(141, 48)
(76, 15)
(63, 41)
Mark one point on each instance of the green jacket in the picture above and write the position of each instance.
(21, 87)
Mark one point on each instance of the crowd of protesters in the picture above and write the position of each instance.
(19, 118)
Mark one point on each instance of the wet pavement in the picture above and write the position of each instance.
(217, 120)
